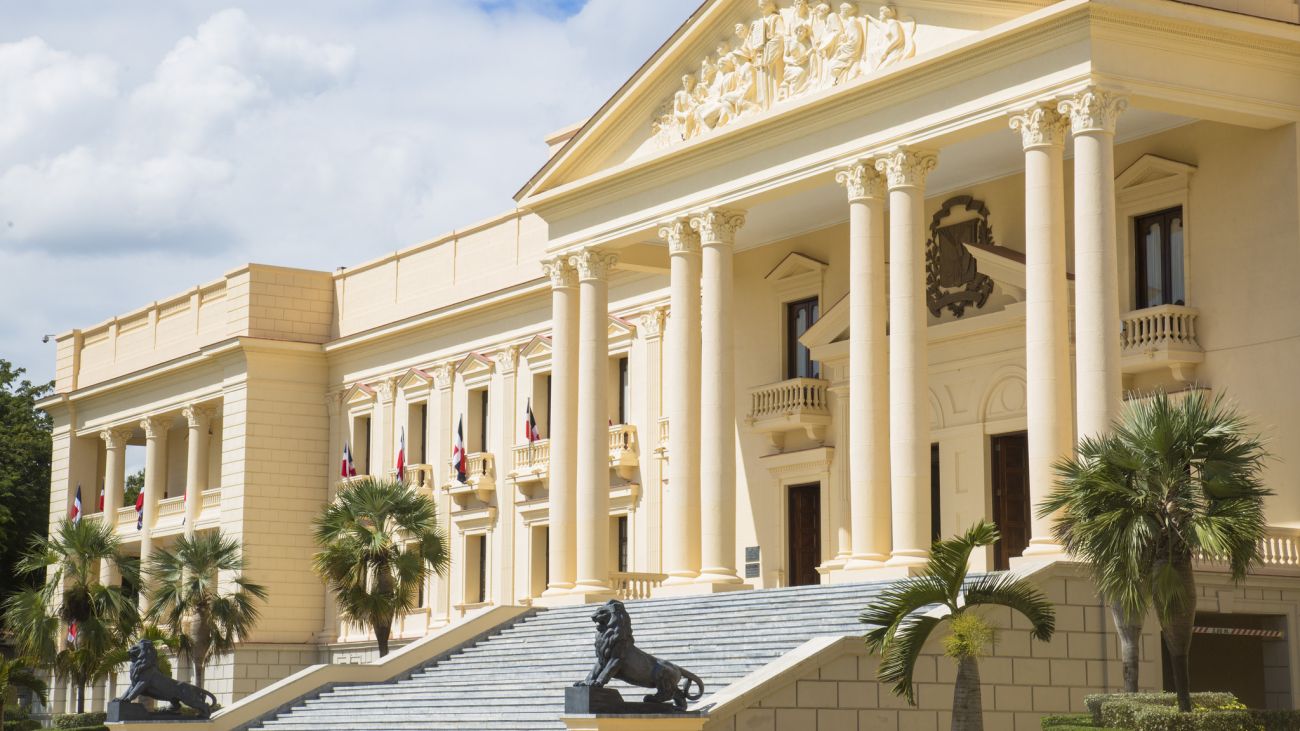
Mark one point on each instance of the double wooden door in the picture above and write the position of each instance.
(1010, 496)
(804, 526)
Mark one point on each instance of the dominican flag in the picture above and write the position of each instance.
(458, 456)
(72, 633)
(401, 454)
(530, 424)
(139, 510)
(346, 467)
(101, 499)
(76, 507)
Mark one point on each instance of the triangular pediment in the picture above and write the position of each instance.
(621, 331)
(1152, 169)
(414, 381)
(734, 62)
(474, 364)
(358, 393)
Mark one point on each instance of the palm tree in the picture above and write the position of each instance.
(379, 541)
(907, 612)
(1170, 482)
(19, 673)
(104, 617)
(191, 598)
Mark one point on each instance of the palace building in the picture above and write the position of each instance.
(818, 284)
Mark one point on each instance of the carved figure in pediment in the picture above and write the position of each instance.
(767, 41)
(896, 38)
(953, 281)
(847, 60)
(798, 57)
(826, 35)
(684, 104)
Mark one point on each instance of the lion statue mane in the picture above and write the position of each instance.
(148, 681)
(618, 658)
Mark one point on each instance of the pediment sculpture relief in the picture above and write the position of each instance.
(783, 54)
(952, 280)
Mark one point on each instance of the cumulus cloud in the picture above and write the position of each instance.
(142, 152)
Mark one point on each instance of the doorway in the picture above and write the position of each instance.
(804, 523)
(1010, 496)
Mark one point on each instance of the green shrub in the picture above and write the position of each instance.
(80, 720)
(1067, 719)
(1277, 720)
(100, 727)
(1083, 728)
(1207, 700)
(22, 724)
(1168, 718)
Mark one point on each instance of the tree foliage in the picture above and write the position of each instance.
(24, 472)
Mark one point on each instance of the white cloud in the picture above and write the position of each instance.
(316, 134)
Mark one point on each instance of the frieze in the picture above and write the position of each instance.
(783, 54)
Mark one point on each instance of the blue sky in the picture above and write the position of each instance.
(146, 147)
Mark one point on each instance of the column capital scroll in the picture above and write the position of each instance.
(593, 264)
(115, 438)
(442, 375)
(196, 417)
(507, 359)
(1041, 125)
(560, 272)
(1093, 110)
(860, 180)
(906, 168)
(680, 237)
(652, 323)
(153, 427)
(717, 225)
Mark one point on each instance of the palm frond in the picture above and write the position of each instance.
(898, 656)
(1009, 590)
(898, 602)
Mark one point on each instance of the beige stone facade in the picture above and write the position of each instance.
(645, 300)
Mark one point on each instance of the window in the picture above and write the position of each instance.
(424, 431)
(936, 517)
(482, 569)
(548, 405)
(1158, 264)
(622, 543)
(360, 446)
(476, 431)
(417, 431)
(624, 390)
(799, 316)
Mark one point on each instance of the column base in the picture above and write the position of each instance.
(1039, 554)
(680, 577)
(578, 595)
(860, 570)
(557, 589)
(699, 588)
(908, 558)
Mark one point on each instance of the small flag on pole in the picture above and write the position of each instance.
(139, 509)
(530, 424)
(101, 499)
(401, 454)
(346, 467)
(75, 513)
(72, 633)
(458, 456)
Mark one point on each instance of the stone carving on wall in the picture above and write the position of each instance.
(783, 54)
(952, 280)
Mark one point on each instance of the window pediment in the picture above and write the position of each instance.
(1151, 171)
(359, 394)
(537, 353)
(475, 370)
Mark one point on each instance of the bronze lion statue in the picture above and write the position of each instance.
(148, 681)
(618, 658)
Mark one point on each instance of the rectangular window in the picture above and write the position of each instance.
(424, 432)
(548, 406)
(482, 569)
(936, 517)
(416, 418)
(622, 543)
(1158, 258)
(799, 316)
(360, 446)
(624, 390)
(476, 424)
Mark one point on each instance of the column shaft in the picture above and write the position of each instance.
(114, 483)
(196, 466)
(909, 405)
(155, 481)
(681, 512)
(717, 230)
(593, 420)
(564, 421)
(1047, 337)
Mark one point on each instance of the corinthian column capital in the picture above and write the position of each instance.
(907, 168)
(560, 272)
(593, 264)
(1040, 126)
(860, 180)
(1093, 110)
(717, 226)
(681, 238)
(114, 439)
(153, 427)
(196, 417)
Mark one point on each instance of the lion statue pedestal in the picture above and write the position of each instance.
(148, 681)
(618, 658)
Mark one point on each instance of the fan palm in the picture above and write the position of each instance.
(104, 617)
(902, 620)
(379, 541)
(19, 672)
(200, 595)
(1170, 482)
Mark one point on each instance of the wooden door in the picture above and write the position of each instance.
(1010, 496)
(805, 533)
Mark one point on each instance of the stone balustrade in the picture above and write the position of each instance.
(797, 404)
(480, 479)
(623, 449)
(419, 476)
(1161, 337)
(532, 461)
(635, 585)
(1279, 552)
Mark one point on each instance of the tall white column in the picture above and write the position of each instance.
(114, 484)
(564, 422)
(507, 415)
(1092, 115)
(443, 379)
(909, 405)
(868, 442)
(681, 513)
(155, 481)
(198, 419)
(593, 420)
(717, 231)
(1047, 335)
(652, 329)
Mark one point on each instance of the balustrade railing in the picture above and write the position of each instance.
(479, 467)
(419, 475)
(1161, 326)
(622, 438)
(527, 457)
(787, 398)
(170, 506)
(1280, 549)
(635, 585)
(663, 432)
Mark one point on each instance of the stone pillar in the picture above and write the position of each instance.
(155, 481)
(507, 364)
(651, 327)
(114, 484)
(593, 423)
(198, 418)
(443, 379)
(717, 232)
(1047, 335)
(564, 421)
(841, 510)
(1092, 115)
(868, 406)
(383, 440)
(681, 495)
(909, 404)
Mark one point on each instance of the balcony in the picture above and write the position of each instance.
(799, 404)
(628, 585)
(1161, 337)
(533, 461)
(661, 449)
(480, 479)
(623, 449)
(1279, 553)
(419, 476)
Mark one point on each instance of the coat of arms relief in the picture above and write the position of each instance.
(783, 54)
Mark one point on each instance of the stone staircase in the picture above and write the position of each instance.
(515, 678)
